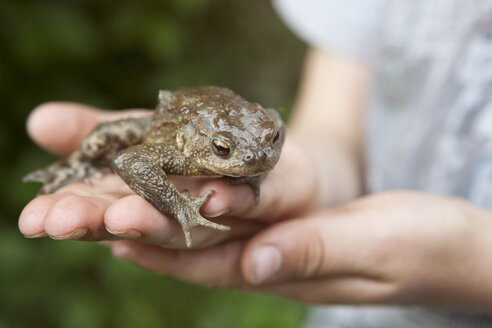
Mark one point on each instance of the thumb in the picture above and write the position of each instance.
(59, 127)
(304, 248)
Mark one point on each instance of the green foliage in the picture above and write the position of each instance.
(117, 55)
(74, 284)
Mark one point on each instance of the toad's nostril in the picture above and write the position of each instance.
(249, 156)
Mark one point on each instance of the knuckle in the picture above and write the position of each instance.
(313, 260)
(385, 249)
(69, 203)
(130, 209)
(66, 213)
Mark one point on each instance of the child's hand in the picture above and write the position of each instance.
(107, 209)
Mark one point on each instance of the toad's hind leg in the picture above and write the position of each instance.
(142, 168)
(94, 157)
(63, 172)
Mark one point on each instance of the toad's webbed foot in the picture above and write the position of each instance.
(188, 215)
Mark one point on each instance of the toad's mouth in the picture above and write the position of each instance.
(239, 172)
(235, 175)
(239, 168)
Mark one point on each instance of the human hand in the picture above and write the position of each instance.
(107, 209)
(393, 248)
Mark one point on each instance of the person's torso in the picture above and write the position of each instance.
(430, 125)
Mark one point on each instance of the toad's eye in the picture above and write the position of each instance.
(221, 148)
(277, 136)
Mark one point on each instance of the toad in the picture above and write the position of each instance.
(201, 131)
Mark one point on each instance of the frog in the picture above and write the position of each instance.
(197, 131)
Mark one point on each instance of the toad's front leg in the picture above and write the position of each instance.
(254, 182)
(142, 168)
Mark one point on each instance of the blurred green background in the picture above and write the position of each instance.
(117, 55)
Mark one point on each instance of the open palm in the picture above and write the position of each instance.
(107, 209)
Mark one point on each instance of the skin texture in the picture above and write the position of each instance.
(202, 131)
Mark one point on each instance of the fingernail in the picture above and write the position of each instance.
(39, 235)
(130, 234)
(220, 213)
(266, 264)
(121, 251)
(76, 234)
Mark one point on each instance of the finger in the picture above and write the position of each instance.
(33, 216)
(335, 290)
(31, 220)
(78, 212)
(288, 189)
(59, 127)
(213, 267)
(77, 217)
(329, 243)
(132, 217)
(218, 267)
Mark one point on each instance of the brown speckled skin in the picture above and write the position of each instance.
(178, 139)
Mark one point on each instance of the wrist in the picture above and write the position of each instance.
(462, 276)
